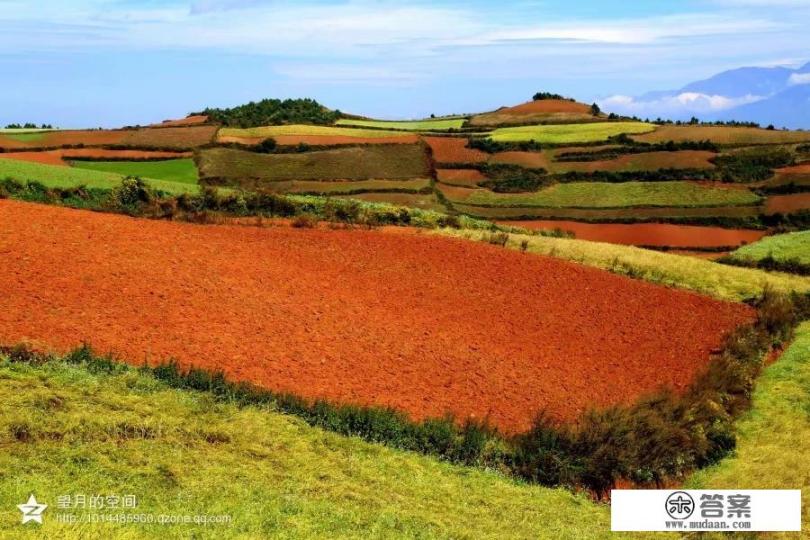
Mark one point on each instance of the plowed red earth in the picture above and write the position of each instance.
(414, 321)
(785, 204)
(649, 234)
(454, 150)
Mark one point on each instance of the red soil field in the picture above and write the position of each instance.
(649, 161)
(649, 234)
(531, 160)
(52, 139)
(460, 177)
(422, 323)
(785, 204)
(454, 150)
(322, 140)
(546, 106)
(58, 157)
(554, 110)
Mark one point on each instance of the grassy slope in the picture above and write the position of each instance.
(301, 129)
(703, 276)
(55, 176)
(781, 247)
(608, 195)
(413, 125)
(774, 437)
(171, 170)
(181, 453)
(24, 136)
(570, 133)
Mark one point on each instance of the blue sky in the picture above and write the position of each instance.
(110, 63)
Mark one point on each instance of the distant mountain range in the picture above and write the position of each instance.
(775, 95)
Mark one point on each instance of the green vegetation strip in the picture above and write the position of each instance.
(302, 129)
(53, 176)
(773, 437)
(171, 170)
(93, 429)
(570, 133)
(703, 276)
(610, 195)
(781, 247)
(433, 124)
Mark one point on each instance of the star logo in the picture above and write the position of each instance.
(32, 510)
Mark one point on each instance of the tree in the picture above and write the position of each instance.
(595, 110)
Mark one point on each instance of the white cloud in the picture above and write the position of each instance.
(675, 105)
(799, 78)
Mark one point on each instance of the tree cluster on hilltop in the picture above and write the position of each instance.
(539, 96)
(29, 125)
(269, 112)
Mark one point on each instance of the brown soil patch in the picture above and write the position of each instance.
(454, 150)
(648, 161)
(171, 137)
(194, 120)
(54, 139)
(356, 316)
(546, 106)
(649, 234)
(531, 160)
(460, 177)
(59, 157)
(547, 110)
(785, 204)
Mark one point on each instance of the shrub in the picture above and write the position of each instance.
(305, 221)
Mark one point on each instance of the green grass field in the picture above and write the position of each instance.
(24, 136)
(569, 133)
(434, 124)
(699, 275)
(302, 129)
(55, 176)
(172, 170)
(249, 169)
(610, 195)
(774, 436)
(781, 247)
(66, 430)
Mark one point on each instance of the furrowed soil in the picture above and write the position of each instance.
(454, 150)
(426, 324)
(649, 234)
(785, 204)
(460, 177)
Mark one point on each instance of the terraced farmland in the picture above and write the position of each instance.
(173, 170)
(607, 195)
(570, 133)
(781, 247)
(245, 169)
(268, 329)
(431, 124)
(723, 135)
(315, 135)
(59, 176)
(540, 111)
